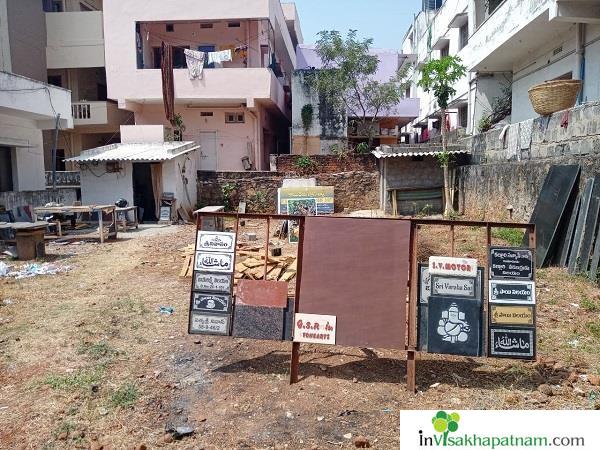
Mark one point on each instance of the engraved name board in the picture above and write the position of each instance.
(201, 323)
(512, 292)
(216, 303)
(512, 315)
(214, 262)
(212, 241)
(213, 282)
(512, 343)
(314, 328)
(514, 263)
(462, 267)
(424, 284)
(453, 286)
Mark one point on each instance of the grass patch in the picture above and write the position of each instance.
(97, 350)
(594, 329)
(512, 236)
(589, 305)
(78, 380)
(125, 396)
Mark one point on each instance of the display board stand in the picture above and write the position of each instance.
(412, 352)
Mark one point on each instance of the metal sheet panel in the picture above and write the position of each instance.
(273, 294)
(551, 208)
(357, 270)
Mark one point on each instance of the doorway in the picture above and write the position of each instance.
(207, 156)
(143, 194)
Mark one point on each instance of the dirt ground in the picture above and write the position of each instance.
(87, 361)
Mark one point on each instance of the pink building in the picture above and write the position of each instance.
(240, 111)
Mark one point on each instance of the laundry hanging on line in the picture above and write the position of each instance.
(195, 63)
(219, 57)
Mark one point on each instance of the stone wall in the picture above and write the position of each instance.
(329, 163)
(11, 200)
(493, 182)
(354, 190)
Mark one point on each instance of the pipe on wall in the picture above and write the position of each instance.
(579, 71)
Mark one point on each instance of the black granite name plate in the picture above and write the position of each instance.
(519, 292)
(454, 326)
(513, 263)
(509, 342)
(214, 303)
(213, 241)
(213, 282)
(201, 323)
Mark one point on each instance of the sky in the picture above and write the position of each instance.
(386, 21)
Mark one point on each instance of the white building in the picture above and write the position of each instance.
(507, 46)
(27, 104)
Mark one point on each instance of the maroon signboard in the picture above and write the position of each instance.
(357, 270)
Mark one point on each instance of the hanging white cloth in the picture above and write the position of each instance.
(195, 63)
(219, 57)
(513, 141)
(525, 133)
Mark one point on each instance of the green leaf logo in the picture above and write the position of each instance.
(445, 423)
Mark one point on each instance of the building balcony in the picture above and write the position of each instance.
(74, 40)
(98, 115)
(220, 87)
(33, 100)
(511, 32)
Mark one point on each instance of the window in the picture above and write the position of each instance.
(58, 6)
(206, 114)
(492, 5)
(237, 117)
(170, 28)
(55, 80)
(207, 48)
(234, 24)
(463, 116)
(6, 178)
(445, 51)
(206, 26)
(407, 92)
(60, 160)
(464, 36)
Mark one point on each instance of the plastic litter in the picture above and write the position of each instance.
(32, 270)
(168, 310)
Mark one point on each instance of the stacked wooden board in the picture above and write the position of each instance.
(250, 264)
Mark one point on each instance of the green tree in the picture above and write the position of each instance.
(347, 79)
(439, 76)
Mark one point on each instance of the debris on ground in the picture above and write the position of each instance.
(32, 270)
(167, 310)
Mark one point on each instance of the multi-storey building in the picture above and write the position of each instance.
(74, 55)
(507, 46)
(28, 105)
(239, 110)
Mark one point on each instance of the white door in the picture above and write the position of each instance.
(207, 156)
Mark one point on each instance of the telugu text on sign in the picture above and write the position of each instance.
(512, 292)
(512, 315)
(314, 328)
(216, 303)
(513, 263)
(213, 241)
(213, 282)
(208, 324)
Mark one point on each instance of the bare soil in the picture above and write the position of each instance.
(87, 361)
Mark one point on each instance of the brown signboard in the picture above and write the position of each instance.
(357, 270)
(512, 314)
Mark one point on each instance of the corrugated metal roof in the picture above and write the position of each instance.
(158, 151)
(386, 151)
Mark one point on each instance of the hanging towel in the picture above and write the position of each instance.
(513, 141)
(564, 121)
(503, 134)
(219, 57)
(195, 63)
(525, 132)
(168, 88)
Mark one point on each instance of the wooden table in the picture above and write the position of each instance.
(29, 237)
(124, 222)
(90, 209)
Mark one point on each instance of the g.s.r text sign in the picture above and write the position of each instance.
(314, 328)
